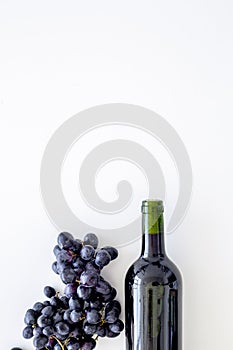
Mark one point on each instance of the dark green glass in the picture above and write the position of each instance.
(153, 290)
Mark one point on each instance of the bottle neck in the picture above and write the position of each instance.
(153, 235)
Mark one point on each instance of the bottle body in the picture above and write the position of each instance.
(153, 297)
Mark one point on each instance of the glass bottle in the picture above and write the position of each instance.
(153, 290)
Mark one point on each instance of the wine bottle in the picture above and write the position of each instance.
(153, 290)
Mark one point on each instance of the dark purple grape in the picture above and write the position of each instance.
(103, 287)
(78, 265)
(96, 304)
(77, 273)
(84, 292)
(108, 297)
(38, 307)
(58, 316)
(88, 344)
(37, 331)
(111, 334)
(87, 252)
(114, 304)
(55, 268)
(89, 278)
(30, 317)
(16, 349)
(91, 239)
(62, 267)
(44, 321)
(47, 311)
(71, 289)
(90, 265)
(65, 240)
(66, 316)
(116, 327)
(56, 302)
(62, 328)
(63, 257)
(48, 331)
(68, 275)
(76, 331)
(64, 302)
(75, 316)
(73, 344)
(102, 258)
(28, 332)
(89, 329)
(62, 338)
(75, 303)
(49, 291)
(40, 341)
(101, 330)
(77, 262)
(56, 250)
(76, 246)
(112, 251)
(111, 316)
(46, 303)
(93, 316)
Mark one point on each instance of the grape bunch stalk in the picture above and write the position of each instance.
(87, 309)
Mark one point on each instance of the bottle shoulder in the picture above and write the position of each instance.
(160, 269)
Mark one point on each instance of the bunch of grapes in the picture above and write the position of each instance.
(88, 308)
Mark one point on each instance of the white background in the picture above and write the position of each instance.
(175, 57)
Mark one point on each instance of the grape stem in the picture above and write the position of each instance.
(59, 342)
(66, 341)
